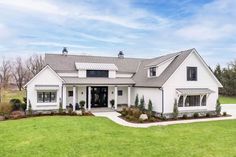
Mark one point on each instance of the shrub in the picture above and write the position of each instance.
(60, 110)
(25, 100)
(82, 103)
(163, 117)
(224, 113)
(175, 110)
(77, 106)
(136, 112)
(70, 110)
(15, 104)
(5, 108)
(142, 104)
(185, 116)
(140, 120)
(149, 108)
(218, 107)
(136, 101)
(196, 115)
(124, 111)
(152, 119)
(112, 102)
(208, 114)
(23, 106)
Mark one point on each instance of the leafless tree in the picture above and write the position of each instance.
(19, 72)
(5, 72)
(35, 64)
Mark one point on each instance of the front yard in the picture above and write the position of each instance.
(93, 136)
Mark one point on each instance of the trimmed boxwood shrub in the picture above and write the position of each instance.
(208, 114)
(224, 113)
(196, 115)
(185, 116)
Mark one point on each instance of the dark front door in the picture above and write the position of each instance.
(99, 96)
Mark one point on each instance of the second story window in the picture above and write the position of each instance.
(191, 73)
(152, 71)
(97, 73)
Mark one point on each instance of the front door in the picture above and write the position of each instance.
(99, 96)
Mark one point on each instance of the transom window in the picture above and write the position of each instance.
(152, 71)
(97, 73)
(46, 96)
(192, 73)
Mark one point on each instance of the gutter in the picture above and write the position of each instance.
(162, 91)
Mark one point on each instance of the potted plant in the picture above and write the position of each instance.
(112, 102)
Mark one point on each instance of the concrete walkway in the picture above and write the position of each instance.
(114, 116)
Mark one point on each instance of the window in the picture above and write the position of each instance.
(181, 101)
(152, 71)
(204, 101)
(47, 97)
(193, 100)
(97, 73)
(120, 92)
(192, 73)
(70, 93)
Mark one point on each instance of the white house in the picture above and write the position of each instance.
(182, 76)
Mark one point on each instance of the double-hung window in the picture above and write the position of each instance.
(46, 96)
(152, 71)
(191, 73)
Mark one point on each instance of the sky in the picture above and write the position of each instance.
(139, 28)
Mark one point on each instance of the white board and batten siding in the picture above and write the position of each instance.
(47, 77)
(179, 80)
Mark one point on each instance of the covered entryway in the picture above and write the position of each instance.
(99, 96)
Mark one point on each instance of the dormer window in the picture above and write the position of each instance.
(192, 73)
(152, 71)
(97, 73)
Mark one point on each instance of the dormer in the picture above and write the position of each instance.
(155, 68)
(99, 70)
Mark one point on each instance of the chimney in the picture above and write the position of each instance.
(121, 55)
(65, 51)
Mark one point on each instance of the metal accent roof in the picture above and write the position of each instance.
(194, 91)
(98, 81)
(95, 66)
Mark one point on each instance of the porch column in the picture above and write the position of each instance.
(89, 98)
(115, 97)
(74, 97)
(64, 97)
(129, 103)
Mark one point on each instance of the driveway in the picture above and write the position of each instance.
(229, 108)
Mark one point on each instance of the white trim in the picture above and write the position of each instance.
(148, 66)
(47, 66)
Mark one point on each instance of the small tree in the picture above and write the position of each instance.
(30, 108)
(150, 108)
(60, 107)
(82, 103)
(218, 107)
(142, 104)
(136, 101)
(175, 110)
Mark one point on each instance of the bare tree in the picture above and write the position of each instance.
(5, 72)
(35, 64)
(19, 72)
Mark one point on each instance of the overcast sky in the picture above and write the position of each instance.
(140, 28)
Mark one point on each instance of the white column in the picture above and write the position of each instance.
(64, 96)
(74, 97)
(89, 98)
(129, 103)
(115, 97)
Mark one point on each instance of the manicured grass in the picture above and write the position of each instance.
(93, 136)
(227, 100)
(7, 95)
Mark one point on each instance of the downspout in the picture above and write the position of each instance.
(162, 91)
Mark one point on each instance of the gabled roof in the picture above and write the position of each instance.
(62, 63)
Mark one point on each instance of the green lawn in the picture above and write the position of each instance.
(227, 100)
(92, 136)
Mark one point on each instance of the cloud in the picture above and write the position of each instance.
(5, 32)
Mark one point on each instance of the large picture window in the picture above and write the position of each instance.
(97, 73)
(46, 96)
(193, 100)
(152, 71)
(192, 73)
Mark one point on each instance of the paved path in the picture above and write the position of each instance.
(114, 116)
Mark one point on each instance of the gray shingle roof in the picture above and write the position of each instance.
(137, 66)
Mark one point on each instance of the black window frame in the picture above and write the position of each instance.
(44, 95)
(153, 71)
(192, 100)
(97, 73)
(70, 94)
(120, 92)
(192, 74)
